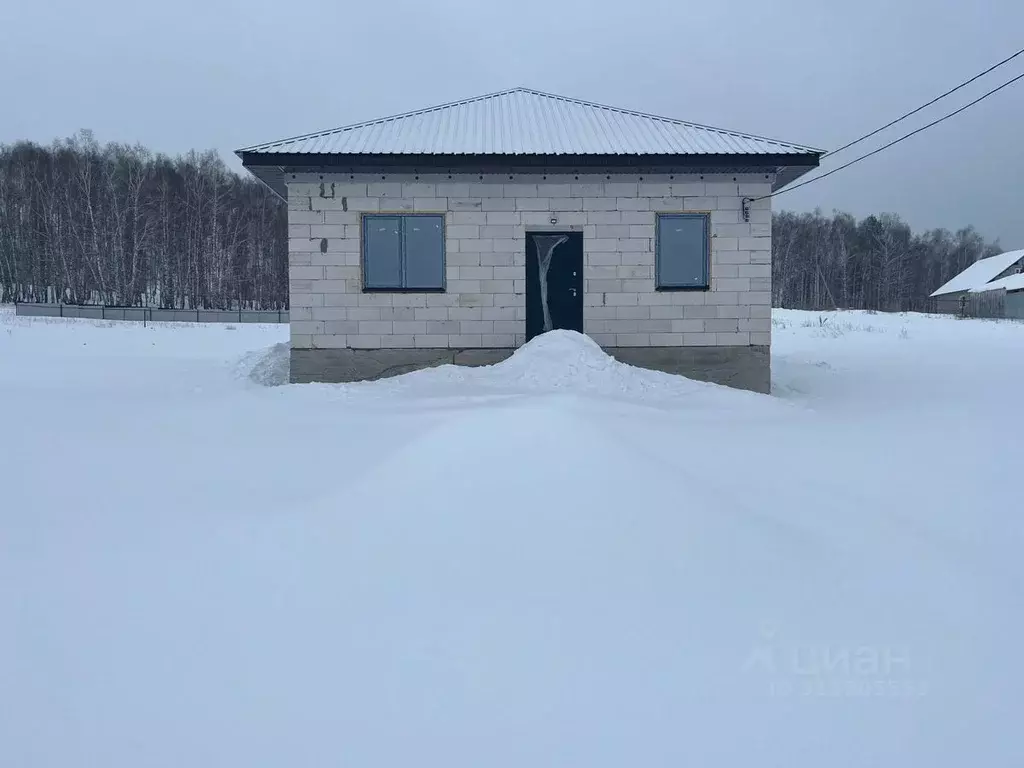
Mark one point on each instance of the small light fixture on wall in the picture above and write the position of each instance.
(554, 219)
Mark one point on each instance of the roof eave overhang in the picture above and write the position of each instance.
(272, 168)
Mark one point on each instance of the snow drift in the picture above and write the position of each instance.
(566, 360)
(525, 564)
(268, 367)
(557, 361)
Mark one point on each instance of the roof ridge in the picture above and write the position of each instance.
(521, 89)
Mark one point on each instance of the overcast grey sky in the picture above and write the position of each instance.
(212, 74)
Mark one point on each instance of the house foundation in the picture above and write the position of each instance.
(743, 367)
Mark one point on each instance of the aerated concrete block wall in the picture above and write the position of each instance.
(487, 218)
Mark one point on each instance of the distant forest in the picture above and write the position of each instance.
(837, 262)
(86, 223)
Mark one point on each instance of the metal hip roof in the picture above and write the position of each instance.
(526, 122)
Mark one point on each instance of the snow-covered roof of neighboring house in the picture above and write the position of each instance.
(1010, 283)
(521, 121)
(980, 273)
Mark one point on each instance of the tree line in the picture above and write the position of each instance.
(114, 224)
(85, 223)
(837, 262)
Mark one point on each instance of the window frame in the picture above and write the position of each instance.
(706, 216)
(402, 215)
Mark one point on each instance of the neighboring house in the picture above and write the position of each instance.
(1012, 290)
(977, 278)
(456, 234)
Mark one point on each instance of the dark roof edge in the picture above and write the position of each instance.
(271, 168)
(495, 161)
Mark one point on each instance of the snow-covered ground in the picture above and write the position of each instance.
(557, 561)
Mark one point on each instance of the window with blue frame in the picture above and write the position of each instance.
(683, 251)
(403, 252)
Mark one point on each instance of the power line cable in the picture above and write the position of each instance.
(925, 105)
(895, 141)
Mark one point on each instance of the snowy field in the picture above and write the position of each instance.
(557, 561)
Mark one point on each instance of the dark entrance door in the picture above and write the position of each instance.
(554, 282)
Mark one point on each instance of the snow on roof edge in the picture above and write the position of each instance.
(1009, 283)
(979, 273)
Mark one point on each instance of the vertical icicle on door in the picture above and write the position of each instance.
(546, 245)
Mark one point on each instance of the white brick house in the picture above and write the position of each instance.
(455, 234)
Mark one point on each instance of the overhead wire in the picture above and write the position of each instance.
(894, 141)
(912, 112)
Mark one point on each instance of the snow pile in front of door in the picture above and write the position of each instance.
(567, 360)
(557, 361)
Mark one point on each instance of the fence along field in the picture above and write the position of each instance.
(152, 314)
